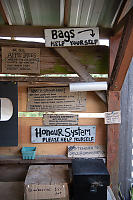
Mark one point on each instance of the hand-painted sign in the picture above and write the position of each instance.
(6, 109)
(71, 37)
(36, 191)
(60, 120)
(113, 117)
(50, 99)
(55, 134)
(20, 60)
(86, 151)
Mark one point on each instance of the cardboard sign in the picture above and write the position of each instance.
(55, 134)
(113, 117)
(51, 99)
(71, 37)
(86, 151)
(35, 191)
(20, 60)
(60, 120)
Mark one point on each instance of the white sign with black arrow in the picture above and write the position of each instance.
(71, 37)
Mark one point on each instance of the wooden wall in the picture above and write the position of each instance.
(94, 104)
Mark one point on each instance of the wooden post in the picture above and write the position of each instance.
(113, 142)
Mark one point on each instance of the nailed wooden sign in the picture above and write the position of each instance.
(60, 120)
(50, 99)
(71, 37)
(86, 151)
(113, 117)
(55, 134)
(20, 60)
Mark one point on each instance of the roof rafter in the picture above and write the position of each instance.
(123, 57)
(66, 13)
(120, 12)
(3, 13)
(78, 68)
(37, 31)
(123, 21)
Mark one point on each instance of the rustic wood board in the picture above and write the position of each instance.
(55, 134)
(20, 60)
(55, 99)
(60, 120)
(96, 151)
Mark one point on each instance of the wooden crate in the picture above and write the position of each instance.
(49, 182)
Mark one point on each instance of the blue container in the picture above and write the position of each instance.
(28, 152)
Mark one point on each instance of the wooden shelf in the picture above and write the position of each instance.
(37, 160)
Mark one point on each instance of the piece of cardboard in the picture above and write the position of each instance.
(35, 191)
(18, 60)
(113, 117)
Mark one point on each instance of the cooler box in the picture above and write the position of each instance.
(90, 179)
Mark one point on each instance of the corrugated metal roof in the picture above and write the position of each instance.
(81, 13)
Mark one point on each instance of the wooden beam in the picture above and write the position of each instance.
(123, 21)
(16, 43)
(123, 57)
(41, 79)
(119, 12)
(113, 142)
(3, 14)
(66, 13)
(78, 68)
(37, 31)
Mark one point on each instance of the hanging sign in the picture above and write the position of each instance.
(20, 60)
(60, 120)
(54, 134)
(86, 151)
(50, 99)
(6, 109)
(113, 117)
(71, 37)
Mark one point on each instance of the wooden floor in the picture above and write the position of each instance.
(12, 190)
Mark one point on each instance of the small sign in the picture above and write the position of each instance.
(86, 151)
(20, 60)
(55, 134)
(113, 117)
(60, 120)
(36, 191)
(71, 37)
(52, 99)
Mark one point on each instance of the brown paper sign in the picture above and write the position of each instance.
(60, 120)
(20, 60)
(35, 191)
(51, 99)
(86, 151)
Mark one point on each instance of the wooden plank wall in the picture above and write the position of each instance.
(95, 59)
(126, 134)
(94, 104)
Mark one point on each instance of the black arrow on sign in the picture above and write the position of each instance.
(92, 32)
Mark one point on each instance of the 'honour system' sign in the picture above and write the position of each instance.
(54, 134)
(71, 37)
